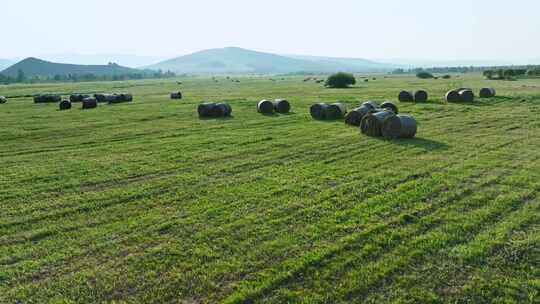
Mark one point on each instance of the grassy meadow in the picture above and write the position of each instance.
(146, 203)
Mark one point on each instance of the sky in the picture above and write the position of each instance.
(383, 29)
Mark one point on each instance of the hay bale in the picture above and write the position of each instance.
(354, 117)
(119, 98)
(487, 92)
(206, 109)
(47, 98)
(65, 105)
(372, 104)
(101, 97)
(420, 96)
(399, 126)
(126, 97)
(452, 96)
(265, 107)
(282, 106)
(390, 106)
(405, 96)
(77, 97)
(89, 103)
(210, 109)
(335, 111)
(318, 111)
(3, 99)
(222, 110)
(371, 124)
(176, 95)
(466, 95)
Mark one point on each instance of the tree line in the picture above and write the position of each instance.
(511, 73)
(501, 72)
(23, 78)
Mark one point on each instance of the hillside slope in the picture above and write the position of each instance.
(37, 67)
(238, 60)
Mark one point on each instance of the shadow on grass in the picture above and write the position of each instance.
(216, 118)
(426, 144)
(340, 120)
(276, 114)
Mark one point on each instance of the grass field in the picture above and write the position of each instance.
(147, 203)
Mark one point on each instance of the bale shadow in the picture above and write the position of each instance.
(216, 118)
(426, 144)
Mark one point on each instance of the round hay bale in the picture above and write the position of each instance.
(47, 98)
(390, 106)
(3, 99)
(282, 106)
(466, 95)
(77, 97)
(487, 92)
(114, 98)
(176, 95)
(336, 111)
(405, 96)
(372, 104)
(371, 124)
(354, 117)
(420, 96)
(452, 96)
(399, 126)
(206, 109)
(222, 110)
(65, 105)
(89, 103)
(265, 107)
(101, 97)
(318, 111)
(126, 97)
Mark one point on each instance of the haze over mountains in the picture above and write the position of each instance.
(237, 61)
(4, 63)
(230, 60)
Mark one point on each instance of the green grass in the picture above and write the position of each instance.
(146, 203)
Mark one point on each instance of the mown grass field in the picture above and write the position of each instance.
(147, 203)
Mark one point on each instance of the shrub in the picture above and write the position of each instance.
(424, 75)
(340, 80)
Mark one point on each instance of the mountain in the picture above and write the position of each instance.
(37, 67)
(132, 61)
(233, 60)
(4, 63)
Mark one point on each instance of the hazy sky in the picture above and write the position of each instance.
(423, 29)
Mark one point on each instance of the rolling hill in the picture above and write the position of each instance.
(37, 67)
(233, 60)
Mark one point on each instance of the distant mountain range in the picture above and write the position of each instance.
(36, 67)
(234, 60)
(131, 61)
(230, 60)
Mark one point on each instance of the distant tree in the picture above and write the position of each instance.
(21, 77)
(424, 75)
(509, 73)
(488, 74)
(340, 80)
(446, 76)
